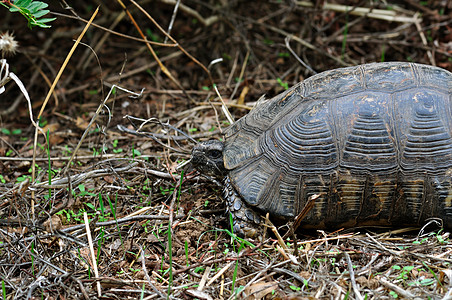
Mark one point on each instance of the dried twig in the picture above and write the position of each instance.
(352, 276)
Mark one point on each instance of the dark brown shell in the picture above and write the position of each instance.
(374, 141)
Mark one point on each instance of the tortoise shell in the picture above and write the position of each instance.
(373, 142)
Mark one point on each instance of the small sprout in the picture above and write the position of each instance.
(283, 54)
(6, 131)
(393, 294)
(285, 85)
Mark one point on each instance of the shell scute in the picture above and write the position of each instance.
(374, 142)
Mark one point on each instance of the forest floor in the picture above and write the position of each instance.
(112, 148)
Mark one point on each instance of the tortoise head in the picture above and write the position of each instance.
(207, 157)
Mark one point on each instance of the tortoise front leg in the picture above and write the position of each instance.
(245, 221)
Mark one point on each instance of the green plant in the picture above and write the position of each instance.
(242, 245)
(115, 145)
(170, 243)
(83, 191)
(104, 215)
(170, 258)
(67, 151)
(96, 152)
(154, 37)
(404, 271)
(285, 85)
(136, 153)
(23, 178)
(9, 132)
(186, 252)
(50, 163)
(283, 54)
(295, 288)
(3, 289)
(31, 10)
(268, 41)
(433, 273)
(165, 191)
(344, 39)
(99, 243)
(32, 250)
(142, 291)
(440, 238)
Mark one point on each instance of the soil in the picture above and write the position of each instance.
(117, 130)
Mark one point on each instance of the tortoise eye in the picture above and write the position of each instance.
(215, 154)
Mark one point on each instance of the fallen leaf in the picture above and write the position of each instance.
(52, 224)
(199, 294)
(51, 127)
(260, 290)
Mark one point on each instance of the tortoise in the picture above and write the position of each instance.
(368, 145)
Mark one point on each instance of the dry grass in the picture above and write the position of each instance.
(157, 229)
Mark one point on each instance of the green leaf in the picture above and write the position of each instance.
(6, 131)
(90, 205)
(32, 11)
(427, 281)
(37, 5)
(393, 294)
(41, 13)
(22, 3)
(46, 20)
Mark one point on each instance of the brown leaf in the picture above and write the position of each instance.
(53, 224)
(172, 168)
(51, 127)
(55, 139)
(81, 123)
(109, 179)
(260, 290)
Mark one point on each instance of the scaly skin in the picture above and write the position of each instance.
(207, 157)
(245, 221)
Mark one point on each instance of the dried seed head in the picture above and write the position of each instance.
(8, 44)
